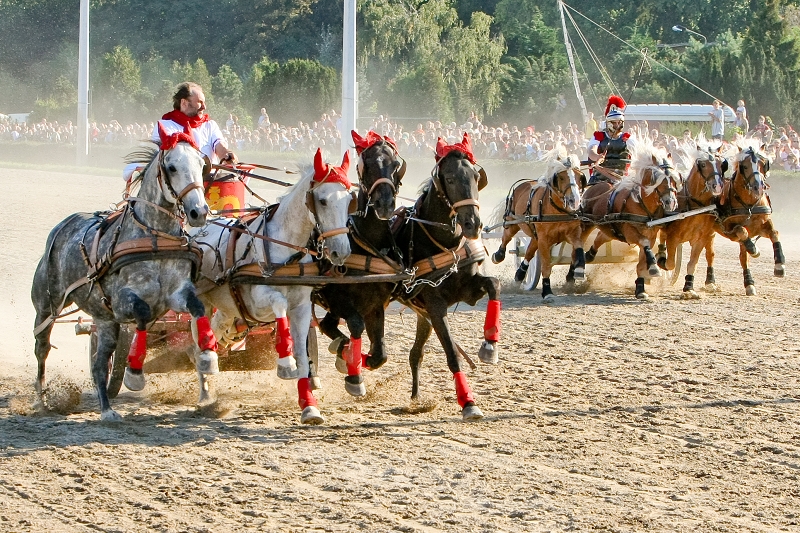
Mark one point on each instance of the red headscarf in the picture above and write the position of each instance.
(362, 143)
(465, 147)
(325, 173)
(168, 142)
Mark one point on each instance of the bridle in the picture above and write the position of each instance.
(393, 182)
(177, 197)
(322, 235)
(756, 179)
(442, 193)
(562, 194)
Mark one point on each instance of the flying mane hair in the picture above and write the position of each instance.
(642, 152)
(556, 159)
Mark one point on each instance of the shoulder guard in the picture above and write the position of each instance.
(599, 135)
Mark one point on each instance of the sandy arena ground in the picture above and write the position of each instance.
(605, 413)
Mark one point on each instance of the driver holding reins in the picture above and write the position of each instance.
(610, 146)
(189, 116)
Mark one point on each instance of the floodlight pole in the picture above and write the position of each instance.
(82, 139)
(349, 88)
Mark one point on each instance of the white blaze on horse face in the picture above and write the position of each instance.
(332, 203)
(572, 200)
(184, 166)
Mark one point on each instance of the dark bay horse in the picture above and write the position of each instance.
(253, 269)
(140, 264)
(547, 211)
(745, 211)
(373, 252)
(701, 188)
(622, 210)
(440, 240)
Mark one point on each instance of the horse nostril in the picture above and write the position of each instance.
(193, 214)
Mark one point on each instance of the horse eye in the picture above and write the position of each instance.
(172, 168)
(323, 202)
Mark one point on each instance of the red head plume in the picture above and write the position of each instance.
(615, 101)
(325, 173)
(465, 147)
(362, 143)
(168, 142)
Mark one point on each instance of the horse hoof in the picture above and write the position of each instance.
(311, 416)
(341, 365)
(355, 389)
(134, 381)
(471, 413)
(654, 271)
(335, 346)
(662, 262)
(690, 295)
(710, 287)
(489, 353)
(110, 416)
(750, 290)
(643, 296)
(287, 367)
(498, 257)
(374, 363)
(315, 383)
(550, 298)
(208, 363)
(579, 274)
(779, 271)
(520, 274)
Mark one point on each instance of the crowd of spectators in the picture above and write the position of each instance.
(500, 141)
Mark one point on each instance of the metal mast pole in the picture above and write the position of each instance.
(82, 140)
(572, 62)
(349, 96)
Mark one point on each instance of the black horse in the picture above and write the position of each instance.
(439, 238)
(373, 251)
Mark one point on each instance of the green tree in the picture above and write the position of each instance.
(118, 87)
(227, 87)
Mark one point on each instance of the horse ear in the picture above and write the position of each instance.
(346, 162)
(356, 137)
(440, 145)
(402, 171)
(724, 166)
(483, 180)
(320, 168)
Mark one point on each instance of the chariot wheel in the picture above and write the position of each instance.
(534, 273)
(117, 362)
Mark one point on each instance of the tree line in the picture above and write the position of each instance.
(503, 59)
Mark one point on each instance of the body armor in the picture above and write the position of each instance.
(617, 156)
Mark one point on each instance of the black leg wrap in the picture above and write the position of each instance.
(778, 250)
(750, 246)
(748, 277)
(522, 271)
(499, 256)
(639, 286)
(546, 287)
(648, 254)
(354, 380)
(710, 276)
(689, 285)
(571, 274)
(590, 255)
(580, 258)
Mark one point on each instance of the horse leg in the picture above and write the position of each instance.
(650, 258)
(438, 315)
(599, 241)
(508, 234)
(661, 256)
(374, 321)
(711, 282)
(688, 286)
(768, 230)
(577, 268)
(522, 271)
(417, 351)
(744, 260)
(107, 335)
(42, 349)
(488, 352)
(547, 268)
(329, 326)
(641, 269)
(300, 320)
(354, 381)
(129, 305)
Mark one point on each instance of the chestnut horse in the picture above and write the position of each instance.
(621, 211)
(547, 211)
(701, 188)
(745, 211)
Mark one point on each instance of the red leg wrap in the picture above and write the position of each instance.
(463, 393)
(353, 357)
(205, 336)
(305, 397)
(491, 327)
(138, 350)
(283, 337)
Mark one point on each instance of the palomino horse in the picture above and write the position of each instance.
(439, 238)
(701, 188)
(547, 211)
(622, 210)
(373, 252)
(246, 263)
(140, 265)
(745, 211)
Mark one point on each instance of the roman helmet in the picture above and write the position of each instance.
(615, 115)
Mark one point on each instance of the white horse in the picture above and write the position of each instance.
(270, 246)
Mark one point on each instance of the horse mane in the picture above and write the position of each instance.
(144, 154)
(747, 144)
(642, 151)
(306, 170)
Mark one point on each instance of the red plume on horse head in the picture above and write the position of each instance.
(168, 142)
(615, 102)
(362, 143)
(326, 173)
(465, 147)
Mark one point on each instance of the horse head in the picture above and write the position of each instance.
(711, 167)
(566, 180)
(660, 181)
(380, 172)
(180, 177)
(457, 179)
(753, 167)
(330, 202)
